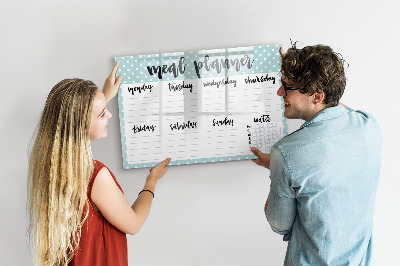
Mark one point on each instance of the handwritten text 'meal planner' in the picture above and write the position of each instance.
(204, 65)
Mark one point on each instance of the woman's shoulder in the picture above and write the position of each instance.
(97, 167)
(102, 170)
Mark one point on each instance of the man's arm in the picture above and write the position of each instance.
(280, 208)
(280, 213)
(262, 160)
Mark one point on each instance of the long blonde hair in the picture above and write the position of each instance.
(60, 168)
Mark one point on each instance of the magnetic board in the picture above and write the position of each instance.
(199, 106)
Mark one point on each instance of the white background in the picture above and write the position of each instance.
(208, 214)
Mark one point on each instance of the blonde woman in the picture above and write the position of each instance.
(78, 212)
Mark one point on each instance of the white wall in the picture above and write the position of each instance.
(207, 214)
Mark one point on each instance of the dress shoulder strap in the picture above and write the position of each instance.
(97, 166)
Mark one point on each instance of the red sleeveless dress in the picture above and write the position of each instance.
(101, 243)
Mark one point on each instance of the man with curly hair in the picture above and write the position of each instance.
(324, 175)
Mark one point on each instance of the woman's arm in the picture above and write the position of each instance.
(114, 206)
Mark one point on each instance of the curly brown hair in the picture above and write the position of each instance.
(316, 69)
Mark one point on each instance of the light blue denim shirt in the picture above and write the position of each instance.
(323, 183)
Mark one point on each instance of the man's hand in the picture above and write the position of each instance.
(111, 85)
(263, 159)
(345, 106)
(281, 52)
(266, 206)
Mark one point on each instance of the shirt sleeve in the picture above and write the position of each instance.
(281, 210)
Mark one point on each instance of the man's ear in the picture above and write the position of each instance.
(318, 97)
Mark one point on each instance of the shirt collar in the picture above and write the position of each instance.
(326, 114)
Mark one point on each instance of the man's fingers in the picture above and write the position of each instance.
(281, 52)
(256, 151)
(257, 161)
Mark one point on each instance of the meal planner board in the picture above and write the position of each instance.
(199, 106)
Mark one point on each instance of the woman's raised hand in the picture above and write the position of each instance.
(111, 85)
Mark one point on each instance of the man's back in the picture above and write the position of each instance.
(330, 174)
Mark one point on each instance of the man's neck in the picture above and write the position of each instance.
(318, 108)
